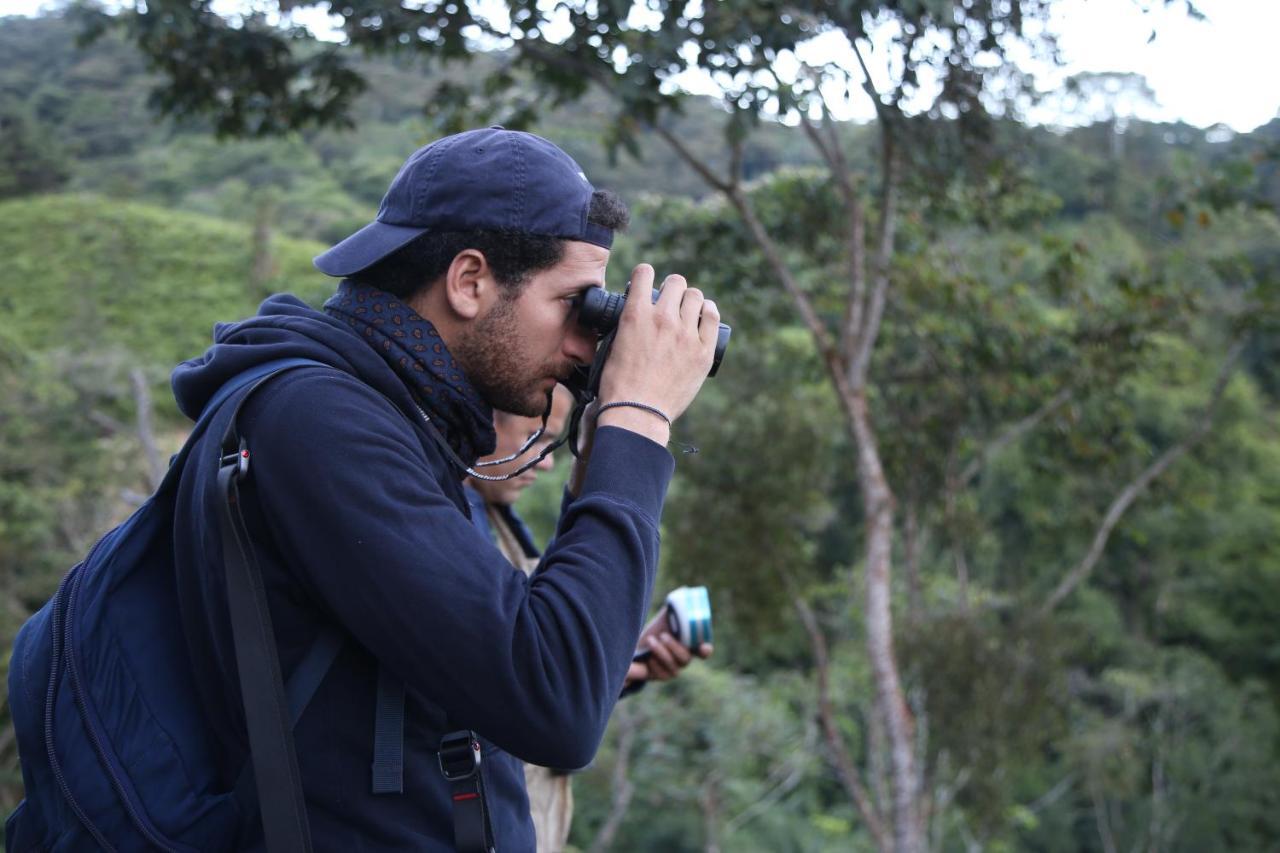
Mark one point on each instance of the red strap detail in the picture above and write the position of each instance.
(457, 797)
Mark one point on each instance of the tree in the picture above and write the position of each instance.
(30, 161)
(944, 60)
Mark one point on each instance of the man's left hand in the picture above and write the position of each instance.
(667, 655)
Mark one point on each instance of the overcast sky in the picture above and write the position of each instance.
(1224, 70)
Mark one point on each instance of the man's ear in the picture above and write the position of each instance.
(469, 284)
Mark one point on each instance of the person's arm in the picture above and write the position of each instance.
(354, 500)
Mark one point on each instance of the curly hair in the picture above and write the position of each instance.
(512, 256)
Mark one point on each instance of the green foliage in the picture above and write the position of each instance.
(1116, 262)
(717, 758)
(85, 272)
(30, 161)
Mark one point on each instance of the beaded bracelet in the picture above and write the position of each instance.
(633, 404)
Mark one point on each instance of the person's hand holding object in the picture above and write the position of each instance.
(667, 655)
(661, 355)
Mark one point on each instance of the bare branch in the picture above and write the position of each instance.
(1140, 483)
(821, 337)
(1011, 434)
(623, 787)
(855, 240)
(725, 186)
(959, 557)
(911, 561)
(1102, 819)
(109, 424)
(784, 779)
(840, 756)
(866, 336)
(1051, 796)
(735, 162)
(868, 85)
(146, 435)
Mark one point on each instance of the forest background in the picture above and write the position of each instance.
(1070, 388)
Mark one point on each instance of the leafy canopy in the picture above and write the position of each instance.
(261, 73)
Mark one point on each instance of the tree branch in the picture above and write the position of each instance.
(840, 756)
(788, 775)
(1011, 434)
(622, 786)
(884, 254)
(146, 434)
(868, 86)
(726, 186)
(1139, 484)
(855, 235)
(821, 337)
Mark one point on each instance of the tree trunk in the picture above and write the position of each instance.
(847, 359)
(890, 700)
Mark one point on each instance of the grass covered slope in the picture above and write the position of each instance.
(88, 273)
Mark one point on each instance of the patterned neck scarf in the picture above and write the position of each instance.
(412, 347)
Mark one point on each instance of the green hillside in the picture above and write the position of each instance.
(84, 272)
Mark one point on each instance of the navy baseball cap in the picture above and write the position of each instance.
(490, 180)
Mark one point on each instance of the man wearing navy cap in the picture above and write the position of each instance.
(460, 297)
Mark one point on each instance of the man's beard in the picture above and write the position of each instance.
(489, 354)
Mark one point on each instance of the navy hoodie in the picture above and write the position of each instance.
(359, 522)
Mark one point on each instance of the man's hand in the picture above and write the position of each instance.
(667, 655)
(662, 354)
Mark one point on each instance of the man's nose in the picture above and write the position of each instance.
(546, 463)
(580, 344)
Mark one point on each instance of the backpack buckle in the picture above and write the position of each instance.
(459, 755)
(240, 459)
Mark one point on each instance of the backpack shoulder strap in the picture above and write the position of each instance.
(267, 714)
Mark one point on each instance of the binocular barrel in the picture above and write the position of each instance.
(599, 310)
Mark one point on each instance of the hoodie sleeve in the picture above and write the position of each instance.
(357, 507)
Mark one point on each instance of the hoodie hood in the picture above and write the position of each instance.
(286, 327)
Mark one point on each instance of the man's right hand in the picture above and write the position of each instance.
(661, 355)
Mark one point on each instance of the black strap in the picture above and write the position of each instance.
(388, 735)
(275, 764)
(267, 717)
(298, 690)
(460, 763)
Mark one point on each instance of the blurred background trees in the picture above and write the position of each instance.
(1071, 380)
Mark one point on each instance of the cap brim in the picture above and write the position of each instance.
(365, 248)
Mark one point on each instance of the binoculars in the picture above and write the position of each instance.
(599, 311)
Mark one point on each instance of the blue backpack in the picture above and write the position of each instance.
(115, 750)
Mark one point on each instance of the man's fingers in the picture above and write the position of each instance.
(691, 306)
(664, 663)
(705, 650)
(673, 291)
(709, 326)
(680, 655)
(637, 672)
(640, 287)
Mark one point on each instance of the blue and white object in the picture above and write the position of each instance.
(689, 615)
